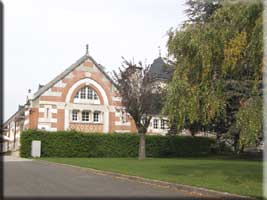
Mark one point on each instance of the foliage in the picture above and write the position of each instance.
(218, 66)
(249, 121)
(74, 144)
(136, 87)
(201, 10)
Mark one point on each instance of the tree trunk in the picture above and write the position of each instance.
(142, 147)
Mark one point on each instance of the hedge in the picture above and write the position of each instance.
(76, 144)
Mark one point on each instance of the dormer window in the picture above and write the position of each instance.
(86, 95)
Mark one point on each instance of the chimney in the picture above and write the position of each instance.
(30, 95)
(87, 49)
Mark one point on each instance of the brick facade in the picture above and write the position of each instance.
(52, 108)
(55, 106)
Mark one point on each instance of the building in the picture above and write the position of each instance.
(12, 129)
(82, 98)
(161, 73)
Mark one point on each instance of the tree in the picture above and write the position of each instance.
(139, 96)
(218, 66)
(249, 122)
(201, 10)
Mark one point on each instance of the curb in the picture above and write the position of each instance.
(193, 191)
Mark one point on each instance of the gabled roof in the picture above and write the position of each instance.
(69, 70)
(19, 113)
(160, 70)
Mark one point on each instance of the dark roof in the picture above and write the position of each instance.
(160, 70)
(18, 114)
(40, 86)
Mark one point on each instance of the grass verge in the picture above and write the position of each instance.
(234, 176)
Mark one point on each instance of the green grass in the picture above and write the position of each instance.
(234, 176)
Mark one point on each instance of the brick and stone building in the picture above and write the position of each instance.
(82, 98)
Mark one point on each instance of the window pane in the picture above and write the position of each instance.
(86, 93)
(95, 96)
(162, 124)
(77, 95)
(96, 116)
(83, 93)
(74, 115)
(90, 94)
(155, 123)
(85, 116)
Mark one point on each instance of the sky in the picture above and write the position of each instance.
(44, 37)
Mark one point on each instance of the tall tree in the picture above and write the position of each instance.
(201, 10)
(249, 122)
(139, 96)
(218, 66)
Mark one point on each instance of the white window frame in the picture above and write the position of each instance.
(155, 124)
(98, 116)
(87, 93)
(163, 124)
(76, 114)
(83, 93)
(85, 111)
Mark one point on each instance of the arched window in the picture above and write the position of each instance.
(86, 93)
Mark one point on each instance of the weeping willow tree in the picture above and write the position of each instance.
(249, 122)
(218, 65)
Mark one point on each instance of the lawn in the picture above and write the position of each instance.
(234, 176)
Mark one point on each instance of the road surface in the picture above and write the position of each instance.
(28, 178)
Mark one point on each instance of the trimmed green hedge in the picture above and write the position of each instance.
(75, 144)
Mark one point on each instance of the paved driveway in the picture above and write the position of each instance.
(27, 178)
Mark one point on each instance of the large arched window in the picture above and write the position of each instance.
(86, 94)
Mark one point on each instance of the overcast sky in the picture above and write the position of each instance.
(44, 37)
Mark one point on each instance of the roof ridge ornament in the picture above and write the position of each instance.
(87, 49)
(159, 51)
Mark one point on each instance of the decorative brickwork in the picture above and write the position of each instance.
(86, 127)
(51, 107)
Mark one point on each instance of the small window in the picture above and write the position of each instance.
(85, 116)
(163, 124)
(46, 114)
(96, 116)
(155, 123)
(75, 115)
(123, 116)
(143, 120)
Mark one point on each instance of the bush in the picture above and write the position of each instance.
(75, 144)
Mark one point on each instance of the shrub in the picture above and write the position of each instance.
(76, 144)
